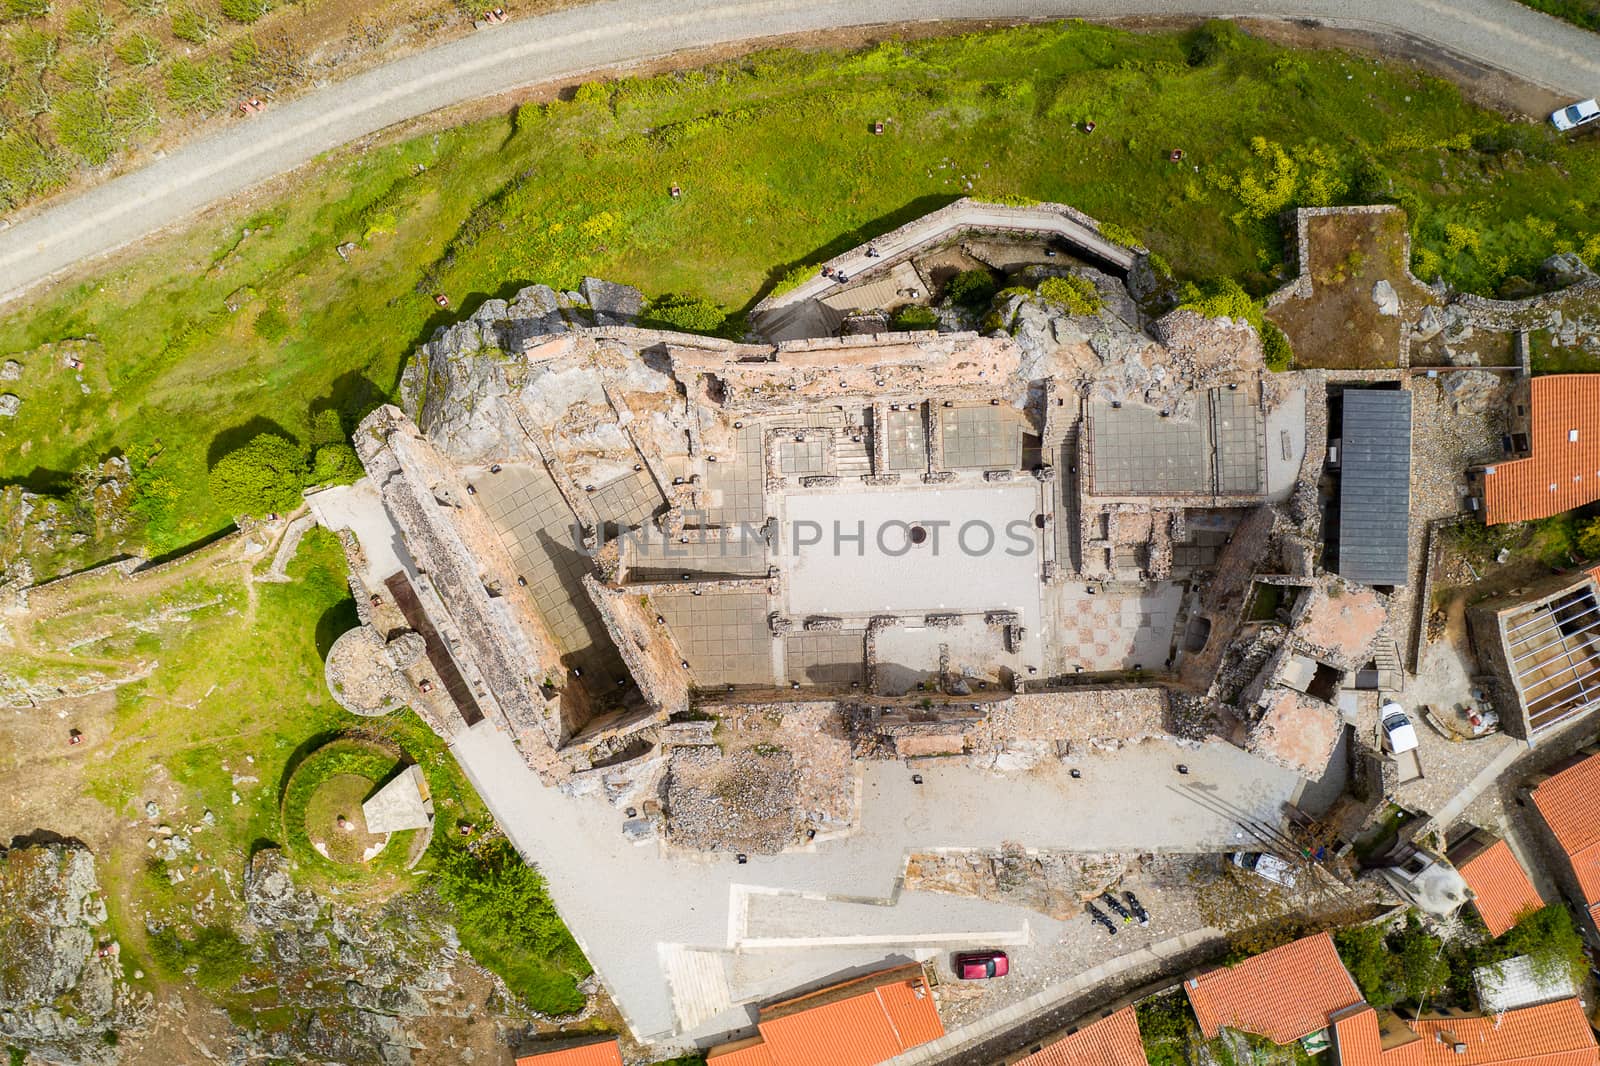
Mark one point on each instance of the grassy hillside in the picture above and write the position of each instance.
(257, 321)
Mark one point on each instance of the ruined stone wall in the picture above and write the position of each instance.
(652, 655)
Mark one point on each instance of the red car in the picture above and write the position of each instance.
(982, 965)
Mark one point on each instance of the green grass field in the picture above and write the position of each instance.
(778, 169)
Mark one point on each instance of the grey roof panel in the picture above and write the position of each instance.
(1375, 487)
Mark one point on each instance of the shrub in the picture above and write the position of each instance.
(85, 128)
(134, 109)
(1076, 294)
(27, 9)
(193, 23)
(1119, 235)
(197, 86)
(267, 474)
(146, 8)
(1366, 956)
(218, 957)
(1208, 43)
(139, 50)
(793, 278)
(89, 72)
(912, 317)
(1275, 348)
(337, 464)
(972, 289)
(87, 24)
(245, 11)
(1548, 937)
(28, 166)
(1589, 538)
(1222, 298)
(327, 427)
(692, 314)
(507, 921)
(34, 49)
(271, 324)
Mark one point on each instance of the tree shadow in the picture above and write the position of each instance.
(44, 838)
(237, 437)
(353, 396)
(42, 481)
(334, 623)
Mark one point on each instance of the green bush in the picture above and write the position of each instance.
(1585, 13)
(793, 278)
(692, 314)
(267, 474)
(1275, 348)
(972, 289)
(271, 324)
(85, 127)
(87, 24)
(28, 167)
(139, 50)
(245, 11)
(1367, 957)
(193, 23)
(1077, 295)
(1210, 42)
(134, 109)
(1119, 235)
(27, 9)
(218, 957)
(913, 317)
(1166, 1025)
(146, 8)
(34, 49)
(91, 72)
(507, 922)
(1548, 937)
(327, 427)
(1589, 538)
(197, 86)
(337, 464)
(1222, 298)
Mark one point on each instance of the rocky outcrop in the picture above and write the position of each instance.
(270, 897)
(61, 985)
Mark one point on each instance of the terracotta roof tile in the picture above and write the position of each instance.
(1566, 802)
(1551, 1034)
(1521, 489)
(1283, 994)
(1500, 887)
(882, 1020)
(601, 1053)
(1112, 1041)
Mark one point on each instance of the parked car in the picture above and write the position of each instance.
(982, 965)
(1574, 115)
(1398, 732)
(1261, 864)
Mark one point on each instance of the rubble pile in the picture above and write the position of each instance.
(1054, 883)
(746, 802)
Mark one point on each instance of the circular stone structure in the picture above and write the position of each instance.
(360, 670)
(324, 824)
(334, 822)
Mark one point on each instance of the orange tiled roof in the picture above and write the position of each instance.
(1500, 887)
(1112, 1041)
(601, 1053)
(1283, 994)
(885, 1018)
(1566, 802)
(1522, 489)
(1551, 1034)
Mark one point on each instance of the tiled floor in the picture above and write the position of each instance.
(1236, 422)
(803, 458)
(980, 438)
(734, 484)
(825, 658)
(629, 501)
(905, 442)
(537, 528)
(1136, 452)
(709, 553)
(1114, 629)
(723, 635)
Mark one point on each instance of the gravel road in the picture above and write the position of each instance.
(1496, 33)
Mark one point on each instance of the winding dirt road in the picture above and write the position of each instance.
(1499, 34)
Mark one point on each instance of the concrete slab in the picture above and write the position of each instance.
(359, 509)
(981, 551)
(1285, 445)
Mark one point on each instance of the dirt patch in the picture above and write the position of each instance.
(1342, 325)
(335, 824)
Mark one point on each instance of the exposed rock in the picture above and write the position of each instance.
(1428, 324)
(58, 994)
(1386, 298)
(11, 370)
(10, 404)
(611, 303)
(270, 896)
(1565, 269)
(1473, 391)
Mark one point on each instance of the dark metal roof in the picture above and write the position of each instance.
(1375, 487)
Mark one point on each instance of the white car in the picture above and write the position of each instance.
(1261, 864)
(1579, 114)
(1398, 731)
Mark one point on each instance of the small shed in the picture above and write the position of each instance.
(402, 804)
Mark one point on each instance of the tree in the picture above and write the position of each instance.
(1424, 973)
(913, 317)
(1367, 958)
(1550, 940)
(1589, 538)
(336, 464)
(692, 314)
(264, 475)
(971, 289)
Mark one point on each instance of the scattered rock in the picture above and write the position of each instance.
(1428, 325)
(612, 304)
(1565, 269)
(11, 370)
(10, 404)
(345, 249)
(270, 896)
(1473, 391)
(1386, 298)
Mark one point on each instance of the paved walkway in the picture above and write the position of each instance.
(683, 942)
(1496, 33)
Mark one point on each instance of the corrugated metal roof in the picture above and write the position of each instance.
(601, 1053)
(1375, 487)
(1566, 803)
(1283, 994)
(1500, 887)
(1112, 1041)
(1552, 1034)
(1560, 473)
